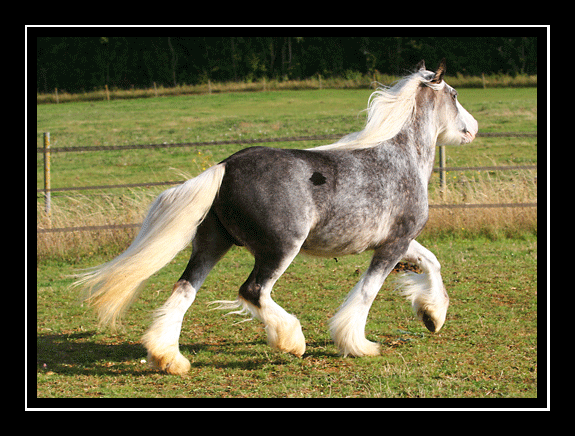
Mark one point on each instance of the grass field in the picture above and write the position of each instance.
(488, 347)
(249, 115)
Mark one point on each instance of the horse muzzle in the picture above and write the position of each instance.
(468, 137)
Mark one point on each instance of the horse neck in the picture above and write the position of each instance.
(420, 137)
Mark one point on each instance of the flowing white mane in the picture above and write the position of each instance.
(389, 109)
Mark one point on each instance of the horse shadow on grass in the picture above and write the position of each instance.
(79, 354)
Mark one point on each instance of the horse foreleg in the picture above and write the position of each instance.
(347, 327)
(426, 291)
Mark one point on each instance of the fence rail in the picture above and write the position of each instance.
(175, 182)
(47, 189)
(250, 141)
(125, 185)
(136, 225)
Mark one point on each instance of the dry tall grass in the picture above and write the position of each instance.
(470, 187)
(351, 80)
(484, 187)
(79, 210)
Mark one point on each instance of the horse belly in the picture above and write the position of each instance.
(348, 236)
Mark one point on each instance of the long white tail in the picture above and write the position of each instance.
(168, 228)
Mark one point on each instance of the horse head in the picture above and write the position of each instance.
(455, 125)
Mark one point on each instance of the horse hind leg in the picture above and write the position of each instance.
(425, 291)
(283, 329)
(162, 338)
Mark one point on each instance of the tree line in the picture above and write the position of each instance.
(78, 64)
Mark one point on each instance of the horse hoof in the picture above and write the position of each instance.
(172, 364)
(428, 322)
(178, 366)
(287, 336)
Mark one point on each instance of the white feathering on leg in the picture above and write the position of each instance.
(426, 298)
(234, 304)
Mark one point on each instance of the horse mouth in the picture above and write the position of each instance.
(468, 137)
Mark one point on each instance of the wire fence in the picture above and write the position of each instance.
(248, 142)
(47, 190)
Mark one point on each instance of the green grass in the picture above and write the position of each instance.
(248, 115)
(185, 119)
(487, 349)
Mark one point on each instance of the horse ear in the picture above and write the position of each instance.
(440, 72)
(420, 65)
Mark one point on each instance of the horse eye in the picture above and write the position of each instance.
(454, 94)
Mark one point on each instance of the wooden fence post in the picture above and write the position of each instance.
(47, 184)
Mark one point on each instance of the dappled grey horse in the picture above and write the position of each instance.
(366, 192)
